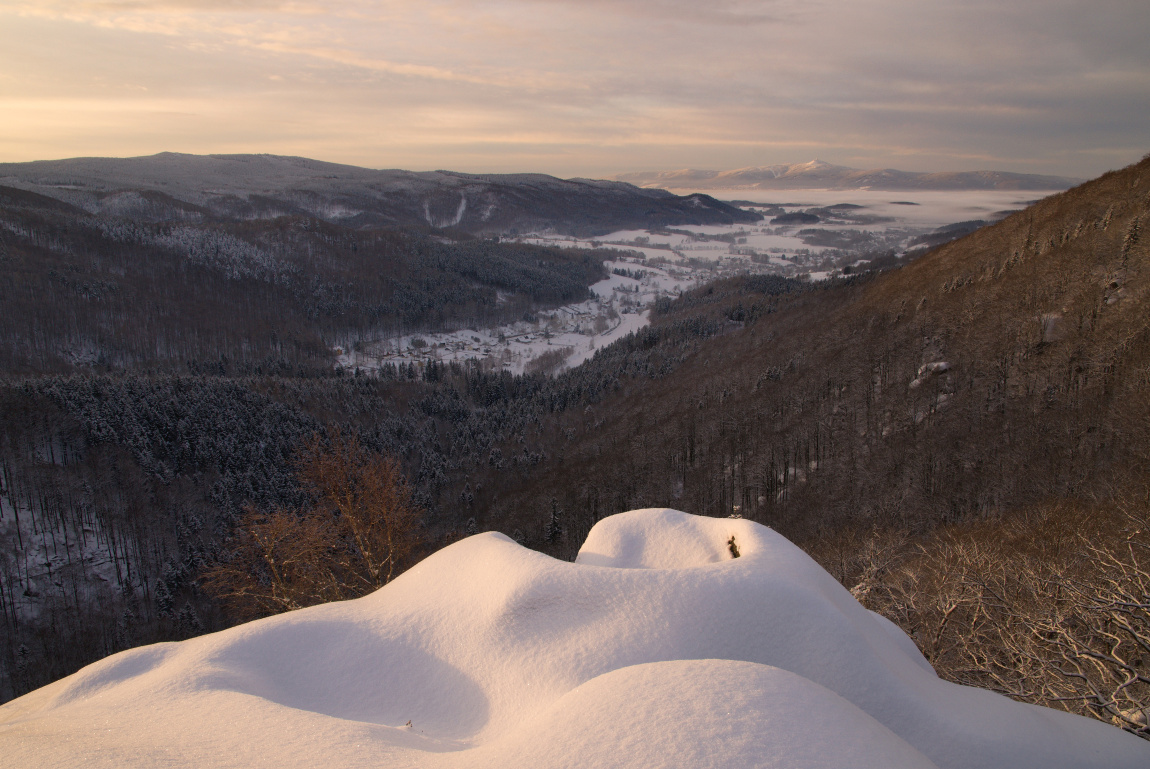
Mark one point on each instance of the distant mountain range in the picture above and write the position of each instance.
(171, 186)
(818, 174)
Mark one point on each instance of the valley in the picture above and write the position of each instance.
(827, 369)
(845, 232)
(574, 385)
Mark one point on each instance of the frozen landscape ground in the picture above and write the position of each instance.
(656, 648)
(852, 224)
(86, 565)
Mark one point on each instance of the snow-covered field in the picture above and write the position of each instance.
(678, 258)
(930, 209)
(656, 648)
(899, 215)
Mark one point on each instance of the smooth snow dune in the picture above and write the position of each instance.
(701, 713)
(656, 648)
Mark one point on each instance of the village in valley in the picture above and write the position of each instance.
(814, 239)
(552, 340)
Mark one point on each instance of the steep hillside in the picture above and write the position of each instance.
(1007, 367)
(114, 293)
(963, 442)
(176, 187)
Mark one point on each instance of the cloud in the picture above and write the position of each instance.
(716, 12)
(80, 7)
(1048, 85)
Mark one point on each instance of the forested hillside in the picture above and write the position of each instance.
(262, 295)
(129, 483)
(177, 187)
(1003, 368)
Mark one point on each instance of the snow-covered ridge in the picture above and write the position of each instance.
(175, 187)
(655, 648)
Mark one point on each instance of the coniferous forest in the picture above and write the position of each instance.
(963, 441)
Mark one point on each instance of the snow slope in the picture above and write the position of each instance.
(655, 649)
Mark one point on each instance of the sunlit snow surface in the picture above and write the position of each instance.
(654, 649)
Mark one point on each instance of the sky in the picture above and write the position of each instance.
(584, 87)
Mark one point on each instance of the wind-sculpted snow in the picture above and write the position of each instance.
(656, 648)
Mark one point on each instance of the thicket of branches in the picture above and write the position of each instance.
(1050, 607)
(358, 530)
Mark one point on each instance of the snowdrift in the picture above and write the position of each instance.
(655, 648)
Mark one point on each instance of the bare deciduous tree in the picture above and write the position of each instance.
(360, 531)
(1052, 608)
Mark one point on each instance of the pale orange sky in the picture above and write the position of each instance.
(583, 87)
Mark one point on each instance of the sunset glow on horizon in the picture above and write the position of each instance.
(583, 87)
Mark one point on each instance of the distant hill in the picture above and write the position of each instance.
(817, 174)
(86, 289)
(172, 186)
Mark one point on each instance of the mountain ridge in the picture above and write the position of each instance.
(246, 187)
(818, 174)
